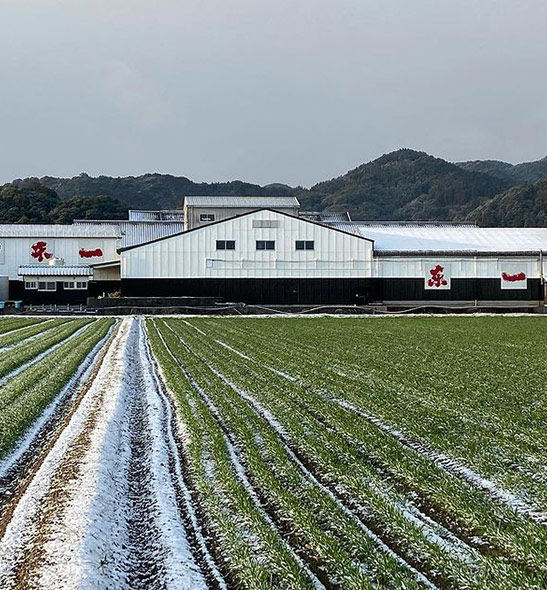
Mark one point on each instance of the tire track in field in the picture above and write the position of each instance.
(304, 466)
(101, 509)
(318, 580)
(445, 462)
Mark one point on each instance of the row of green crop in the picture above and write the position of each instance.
(333, 542)
(250, 553)
(474, 388)
(8, 324)
(17, 335)
(380, 475)
(26, 350)
(26, 395)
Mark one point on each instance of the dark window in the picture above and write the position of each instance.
(47, 286)
(305, 245)
(265, 245)
(226, 245)
(206, 217)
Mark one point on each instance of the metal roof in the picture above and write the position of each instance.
(13, 230)
(140, 232)
(60, 270)
(416, 238)
(326, 216)
(243, 202)
(169, 215)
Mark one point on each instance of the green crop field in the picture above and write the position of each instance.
(365, 452)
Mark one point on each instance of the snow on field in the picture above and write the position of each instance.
(101, 511)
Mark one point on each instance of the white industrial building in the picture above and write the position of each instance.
(265, 250)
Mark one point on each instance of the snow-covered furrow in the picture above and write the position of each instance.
(287, 445)
(101, 510)
(42, 355)
(239, 468)
(443, 461)
(14, 460)
(25, 339)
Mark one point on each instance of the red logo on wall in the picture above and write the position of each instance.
(437, 277)
(513, 278)
(39, 252)
(97, 253)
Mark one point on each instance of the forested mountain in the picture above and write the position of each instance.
(521, 206)
(402, 185)
(405, 184)
(527, 172)
(160, 191)
(32, 202)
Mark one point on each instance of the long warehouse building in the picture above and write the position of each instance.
(265, 250)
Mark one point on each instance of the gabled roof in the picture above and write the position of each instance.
(242, 202)
(206, 227)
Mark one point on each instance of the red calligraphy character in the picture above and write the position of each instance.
(39, 252)
(437, 277)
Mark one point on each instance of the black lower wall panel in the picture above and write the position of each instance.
(460, 290)
(328, 291)
(60, 296)
(262, 291)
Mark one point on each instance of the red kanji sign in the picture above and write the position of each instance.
(437, 277)
(97, 253)
(39, 251)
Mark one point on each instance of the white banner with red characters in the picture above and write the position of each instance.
(513, 276)
(437, 276)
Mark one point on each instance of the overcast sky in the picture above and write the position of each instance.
(292, 91)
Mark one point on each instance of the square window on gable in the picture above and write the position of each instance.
(305, 245)
(265, 245)
(226, 245)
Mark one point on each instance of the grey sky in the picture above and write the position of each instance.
(292, 91)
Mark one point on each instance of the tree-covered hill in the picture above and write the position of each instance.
(402, 185)
(521, 206)
(153, 191)
(527, 172)
(32, 202)
(405, 184)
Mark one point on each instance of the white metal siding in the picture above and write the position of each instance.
(194, 254)
(460, 268)
(17, 251)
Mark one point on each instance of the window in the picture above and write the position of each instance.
(305, 245)
(31, 284)
(206, 217)
(265, 223)
(226, 245)
(75, 284)
(265, 245)
(47, 286)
